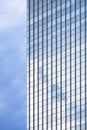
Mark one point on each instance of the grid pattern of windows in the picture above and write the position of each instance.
(57, 65)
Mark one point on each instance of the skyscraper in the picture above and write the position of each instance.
(57, 65)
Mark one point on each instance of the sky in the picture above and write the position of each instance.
(12, 64)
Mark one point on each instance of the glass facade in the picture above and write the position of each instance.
(57, 65)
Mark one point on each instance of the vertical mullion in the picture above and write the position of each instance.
(51, 72)
(65, 71)
(47, 62)
(70, 73)
(51, 67)
(80, 65)
(75, 64)
(61, 64)
(33, 69)
(42, 64)
(38, 67)
(85, 68)
(56, 64)
(29, 64)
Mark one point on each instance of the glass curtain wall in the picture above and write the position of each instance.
(57, 65)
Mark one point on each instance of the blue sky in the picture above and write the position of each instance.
(13, 65)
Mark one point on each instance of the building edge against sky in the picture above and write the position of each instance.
(57, 65)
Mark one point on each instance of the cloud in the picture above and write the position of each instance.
(12, 65)
(12, 13)
(60, 95)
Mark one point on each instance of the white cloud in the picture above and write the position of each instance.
(3, 105)
(12, 13)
